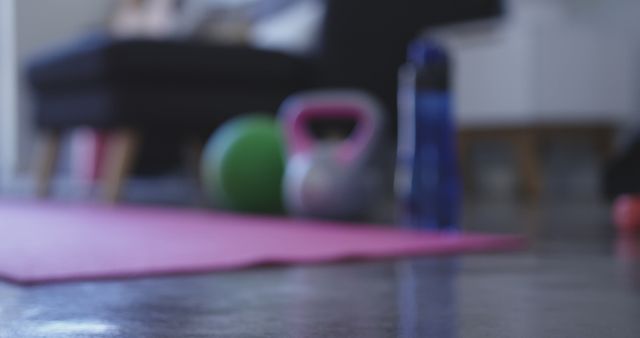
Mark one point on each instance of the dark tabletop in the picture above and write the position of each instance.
(576, 280)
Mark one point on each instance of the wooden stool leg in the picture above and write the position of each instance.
(49, 149)
(528, 164)
(195, 148)
(122, 147)
(605, 144)
(465, 160)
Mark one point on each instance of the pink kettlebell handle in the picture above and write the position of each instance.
(298, 112)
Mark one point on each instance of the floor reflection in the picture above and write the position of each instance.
(73, 328)
(342, 301)
(427, 298)
(627, 250)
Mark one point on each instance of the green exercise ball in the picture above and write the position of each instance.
(243, 165)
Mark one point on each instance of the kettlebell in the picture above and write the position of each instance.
(330, 178)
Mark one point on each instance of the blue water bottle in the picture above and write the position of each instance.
(427, 177)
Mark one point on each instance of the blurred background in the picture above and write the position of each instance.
(506, 116)
(566, 73)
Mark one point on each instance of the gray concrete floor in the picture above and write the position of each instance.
(576, 280)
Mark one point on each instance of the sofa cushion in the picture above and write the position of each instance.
(103, 60)
(159, 107)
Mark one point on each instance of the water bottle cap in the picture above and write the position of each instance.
(423, 52)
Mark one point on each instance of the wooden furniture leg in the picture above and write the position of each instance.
(465, 160)
(605, 143)
(194, 148)
(528, 163)
(122, 147)
(48, 151)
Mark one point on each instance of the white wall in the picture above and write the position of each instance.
(551, 60)
(7, 91)
(581, 74)
(622, 22)
(583, 70)
(39, 25)
(491, 74)
(493, 69)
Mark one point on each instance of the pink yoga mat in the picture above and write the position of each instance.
(56, 242)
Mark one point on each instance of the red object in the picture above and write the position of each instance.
(54, 242)
(626, 213)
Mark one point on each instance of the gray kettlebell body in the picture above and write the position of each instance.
(330, 178)
(318, 186)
